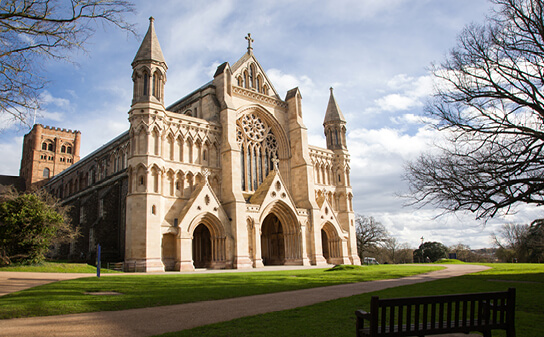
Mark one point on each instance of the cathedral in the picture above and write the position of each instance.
(222, 178)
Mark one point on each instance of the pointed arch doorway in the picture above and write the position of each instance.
(331, 244)
(325, 245)
(272, 241)
(202, 247)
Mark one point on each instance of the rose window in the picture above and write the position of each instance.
(254, 128)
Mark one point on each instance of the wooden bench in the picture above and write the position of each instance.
(436, 315)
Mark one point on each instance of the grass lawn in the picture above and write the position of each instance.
(337, 318)
(139, 291)
(57, 267)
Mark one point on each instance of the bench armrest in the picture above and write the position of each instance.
(360, 322)
(362, 314)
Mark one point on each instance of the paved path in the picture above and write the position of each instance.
(153, 321)
(14, 281)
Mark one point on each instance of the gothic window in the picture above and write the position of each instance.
(44, 146)
(179, 143)
(258, 83)
(146, 84)
(155, 85)
(50, 147)
(258, 150)
(155, 136)
(252, 76)
(171, 148)
(46, 172)
(246, 80)
(69, 150)
(63, 149)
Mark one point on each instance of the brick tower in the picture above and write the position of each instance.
(47, 151)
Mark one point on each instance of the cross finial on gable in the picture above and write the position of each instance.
(206, 174)
(276, 163)
(249, 41)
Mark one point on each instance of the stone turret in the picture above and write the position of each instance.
(149, 70)
(146, 117)
(335, 126)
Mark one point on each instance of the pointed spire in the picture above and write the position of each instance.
(333, 114)
(150, 49)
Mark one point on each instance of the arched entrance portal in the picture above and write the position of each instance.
(325, 245)
(331, 244)
(272, 241)
(202, 247)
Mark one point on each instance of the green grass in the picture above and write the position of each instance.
(139, 291)
(336, 318)
(449, 261)
(56, 267)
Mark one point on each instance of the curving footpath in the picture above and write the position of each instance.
(158, 320)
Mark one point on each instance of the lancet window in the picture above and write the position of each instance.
(258, 147)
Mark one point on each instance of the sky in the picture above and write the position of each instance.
(376, 54)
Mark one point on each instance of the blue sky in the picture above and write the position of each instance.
(375, 53)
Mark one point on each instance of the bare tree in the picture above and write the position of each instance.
(34, 30)
(510, 242)
(522, 243)
(369, 232)
(489, 100)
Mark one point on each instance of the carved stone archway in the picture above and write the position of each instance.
(202, 247)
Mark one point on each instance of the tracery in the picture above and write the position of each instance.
(259, 148)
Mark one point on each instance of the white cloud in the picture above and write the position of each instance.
(411, 119)
(284, 82)
(408, 93)
(357, 10)
(47, 99)
(396, 102)
(198, 26)
(11, 149)
(7, 121)
(50, 116)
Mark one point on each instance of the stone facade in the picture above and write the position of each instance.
(96, 190)
(222, 178)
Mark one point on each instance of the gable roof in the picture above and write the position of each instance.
(202, 200)
(247, 59)
(272, 188)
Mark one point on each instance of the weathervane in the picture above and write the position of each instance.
(249, 41)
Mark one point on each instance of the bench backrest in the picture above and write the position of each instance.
(435, 314)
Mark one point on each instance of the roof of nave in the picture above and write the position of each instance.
(90, 157)
(188, 99)
(150, 49)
